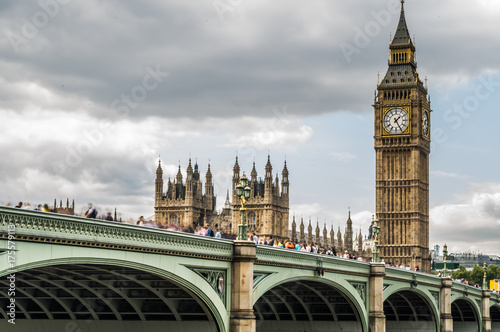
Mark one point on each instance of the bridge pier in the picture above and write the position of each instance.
(376, 313)
(485, 308)
(445, 314)
(242, 316)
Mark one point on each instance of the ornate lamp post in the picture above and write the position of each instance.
(376, 231)
(445, 253)
(243, 193)
(484, 276)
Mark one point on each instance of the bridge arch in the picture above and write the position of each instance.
(466, 315)
(495, 317)
(293, 303)
(110, 293)
(410, 309)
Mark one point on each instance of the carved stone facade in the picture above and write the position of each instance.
(182, 204)
(267, 209)
(402, 145)
(69, 209)
(359, 247)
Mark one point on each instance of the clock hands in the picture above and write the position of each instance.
(396, 121)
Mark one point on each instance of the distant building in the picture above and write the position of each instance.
(69, 210)
(467, 259)
(185, 204)
(358, 247)
(267, 209)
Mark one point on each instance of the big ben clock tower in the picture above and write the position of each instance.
(402, 146)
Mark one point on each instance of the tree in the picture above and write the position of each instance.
(460, 273)
(476, 275)
(493, 272)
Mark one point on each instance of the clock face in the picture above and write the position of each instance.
(396, 121)
(425, 123)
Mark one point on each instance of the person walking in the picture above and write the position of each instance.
(140, 222)
(91, 212)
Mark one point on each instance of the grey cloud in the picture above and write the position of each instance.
(251, 64)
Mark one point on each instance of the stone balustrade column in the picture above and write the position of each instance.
(242, 316)
(445, 314)
(485, 306)
(376, 313)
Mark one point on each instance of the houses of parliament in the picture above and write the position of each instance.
(402, 119)
(184, 203)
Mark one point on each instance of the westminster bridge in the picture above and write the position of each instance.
(67, 273)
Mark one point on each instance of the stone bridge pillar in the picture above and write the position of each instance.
(376, 313)
(242, 316)
(446, 318)
(485, 308)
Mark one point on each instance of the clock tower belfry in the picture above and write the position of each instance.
(402, 146)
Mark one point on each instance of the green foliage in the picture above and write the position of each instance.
(493, 272)
(476, 275)
(460, 273)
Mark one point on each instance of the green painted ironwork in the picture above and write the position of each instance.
(360, 287)
(33, 225)
(216, 279)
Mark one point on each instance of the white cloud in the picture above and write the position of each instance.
(468, 227)
(282, 131)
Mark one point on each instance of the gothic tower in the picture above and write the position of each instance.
(158, 184)
(185, 205)
(402, 146)
(267, 209)
(348, 244)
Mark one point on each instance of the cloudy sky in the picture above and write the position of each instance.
(92, 92)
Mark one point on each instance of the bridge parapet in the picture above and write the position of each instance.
(305, 260)
(36, 226)
(466, 290)
(413, 278)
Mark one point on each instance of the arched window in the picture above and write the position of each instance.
(173, 219)
(251, 220)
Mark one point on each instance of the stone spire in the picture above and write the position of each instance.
(158, 184)
(253, 174)
(317, 239)
(309, 232)
(178, 178)
(348, 245)
(294, 230)
(302, 237)
(236, 178)
(325, 236)
(284, 182)
(360, 243)
(402, 36)
(332, 237)
(227, 204)
(340, 245)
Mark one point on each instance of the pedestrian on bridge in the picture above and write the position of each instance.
(91, 212)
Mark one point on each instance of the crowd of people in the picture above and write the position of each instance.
(305, 247)
(27, 206)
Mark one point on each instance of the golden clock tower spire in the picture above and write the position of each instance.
(402, 146)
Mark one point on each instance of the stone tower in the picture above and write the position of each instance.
(402, 146)
(348, 244)
(182, 204)
(267, 209)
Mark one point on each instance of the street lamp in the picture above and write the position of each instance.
(243, 193)
(484, 276)
(445, 253)
(376, 231)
